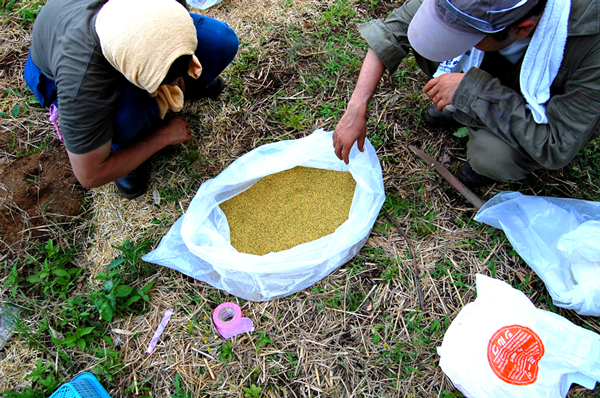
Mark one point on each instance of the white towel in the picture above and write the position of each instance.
(142, 39)
(542, 58)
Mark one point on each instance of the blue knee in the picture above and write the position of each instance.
(229, 44)
(217, 45)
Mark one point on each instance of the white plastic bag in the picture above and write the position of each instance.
(202, 4)
(501, 346)
(559, 238)
(198, 243)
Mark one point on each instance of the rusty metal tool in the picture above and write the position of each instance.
(459, 186)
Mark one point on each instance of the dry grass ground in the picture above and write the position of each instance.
(357, 333)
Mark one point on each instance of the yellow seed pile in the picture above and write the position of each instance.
(286, 209)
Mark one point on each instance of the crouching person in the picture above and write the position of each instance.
(116, 72)
(522, 75)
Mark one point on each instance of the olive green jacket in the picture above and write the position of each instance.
(492, 100)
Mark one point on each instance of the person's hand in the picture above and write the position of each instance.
(351, 128)
(442, 88)
(175, 131)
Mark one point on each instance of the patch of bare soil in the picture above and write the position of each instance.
(35, 191)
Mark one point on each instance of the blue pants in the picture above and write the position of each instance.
(137, 112)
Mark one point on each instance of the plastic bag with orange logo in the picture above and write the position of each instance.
(502, 346)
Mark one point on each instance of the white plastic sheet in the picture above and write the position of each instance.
(198, 244)
(501, 346)
(559, 239)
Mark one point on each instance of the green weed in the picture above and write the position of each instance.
(376, 335)
(133, 252)
(13, 280)
(180, 392)
(376, 139)
(423, 215)
(290, 116)
(43, 376)
(396, 205)
(141, 389)
(109, 364)
(118, 293)
(81, 337)
(406, 69)
(262, 340)
(252, 392)
(584, 169)
(171, 195)
(55, 274)
(395, 355)
(43, 381)
(226, 353)
(7, 6)
(330, 110)
(462, 132)
(165, 221)
(449, 394)
(29, 14)
(116, 296)
(338, 13)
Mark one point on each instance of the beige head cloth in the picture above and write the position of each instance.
(142, 38)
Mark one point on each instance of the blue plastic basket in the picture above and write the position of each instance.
(84, 385)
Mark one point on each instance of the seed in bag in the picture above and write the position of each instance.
(289, 208)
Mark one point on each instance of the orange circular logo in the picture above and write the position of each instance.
(513, 354)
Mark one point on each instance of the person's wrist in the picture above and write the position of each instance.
(357, 108)
(158, 139)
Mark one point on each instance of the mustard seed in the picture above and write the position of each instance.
(289, 208)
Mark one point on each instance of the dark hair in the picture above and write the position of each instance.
(535, 11)
(178, 68)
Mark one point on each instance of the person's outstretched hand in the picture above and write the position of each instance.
(351, 128)
(441, 89)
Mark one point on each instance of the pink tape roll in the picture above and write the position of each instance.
(229, 320)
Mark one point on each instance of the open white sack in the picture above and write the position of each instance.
(198, 244)
(559, 238)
